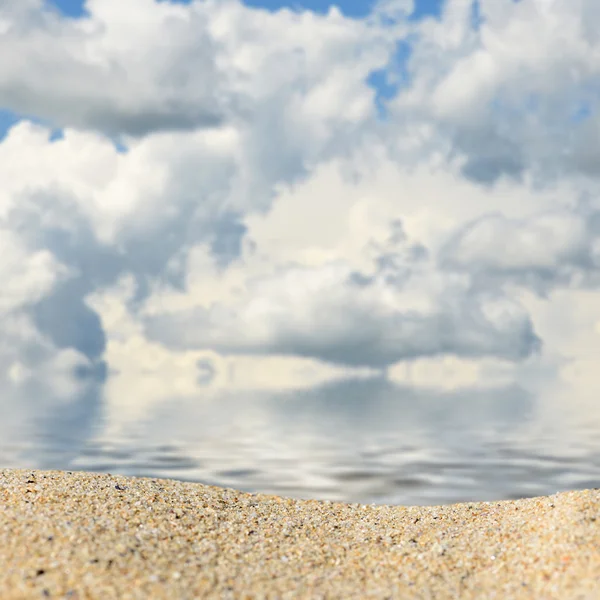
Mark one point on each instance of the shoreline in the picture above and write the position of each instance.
(94, 535)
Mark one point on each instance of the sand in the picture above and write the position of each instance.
(89, 535)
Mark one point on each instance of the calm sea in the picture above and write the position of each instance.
(361, 440)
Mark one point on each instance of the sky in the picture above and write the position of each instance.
(208, 195)
(350, 8)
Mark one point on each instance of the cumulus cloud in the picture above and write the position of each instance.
(543, 252)
(26, 276)
(263, 206)
(506, 101)
(337, 315)
(188, 67)
(93, 73)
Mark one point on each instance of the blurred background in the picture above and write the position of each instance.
(339, 252)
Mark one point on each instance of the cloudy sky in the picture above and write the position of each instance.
(210, 194)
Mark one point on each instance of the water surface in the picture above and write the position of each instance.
(359, 440)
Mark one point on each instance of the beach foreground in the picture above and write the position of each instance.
(90, 535)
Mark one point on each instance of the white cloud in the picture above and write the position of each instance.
(545, 251)
(503, 98)
(187, 67)
(337, 315)
(93, 73)
(26, 276)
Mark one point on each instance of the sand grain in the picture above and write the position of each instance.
(89, 535)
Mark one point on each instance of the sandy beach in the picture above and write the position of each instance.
(88, 535)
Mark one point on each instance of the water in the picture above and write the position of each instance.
(361, 440)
